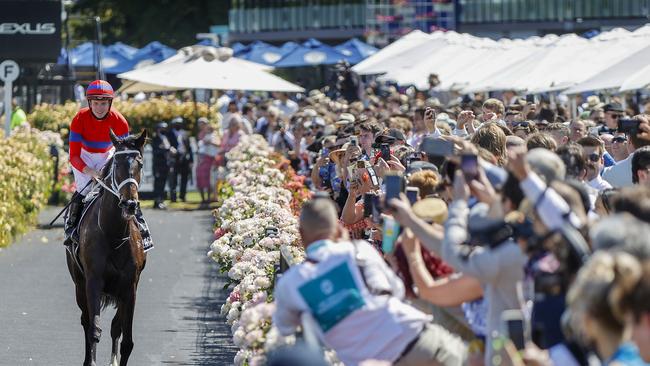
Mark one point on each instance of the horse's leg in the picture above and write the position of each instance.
(94, 287)
(116, 332)
(81, 302)
(128, 307)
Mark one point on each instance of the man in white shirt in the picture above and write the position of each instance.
(620, 175)
(594, 149)
(355, 300)
(286, 106)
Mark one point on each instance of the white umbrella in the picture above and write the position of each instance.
(638, 80)
(614, 76)
(372, 64)
(207, 68)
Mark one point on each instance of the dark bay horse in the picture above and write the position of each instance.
(111, 255)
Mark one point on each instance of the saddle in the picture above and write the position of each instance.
(88, 202)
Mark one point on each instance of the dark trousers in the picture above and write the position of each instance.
(160, 176)
(182, 169)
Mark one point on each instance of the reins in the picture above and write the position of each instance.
(115, 188)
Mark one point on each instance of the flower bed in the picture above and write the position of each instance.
(26, 181)
(254, 197)
(140, 115)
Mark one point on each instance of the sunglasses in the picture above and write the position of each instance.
(619, 140)
(595, 157)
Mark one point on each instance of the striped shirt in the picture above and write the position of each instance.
(92, 135)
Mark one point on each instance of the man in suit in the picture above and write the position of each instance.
(162, 159)
(182, 160)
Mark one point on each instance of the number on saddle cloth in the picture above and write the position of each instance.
(332, 296)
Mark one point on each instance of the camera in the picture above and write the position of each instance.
(628, 126)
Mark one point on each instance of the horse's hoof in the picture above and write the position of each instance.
(114, 361)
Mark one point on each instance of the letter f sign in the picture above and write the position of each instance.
(9, 71)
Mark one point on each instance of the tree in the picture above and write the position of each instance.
(172, 22)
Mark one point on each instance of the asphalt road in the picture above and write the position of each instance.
(177, 319)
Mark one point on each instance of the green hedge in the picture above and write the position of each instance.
(25, 181)
(140, 115)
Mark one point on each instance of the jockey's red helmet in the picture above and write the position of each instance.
(99, 89)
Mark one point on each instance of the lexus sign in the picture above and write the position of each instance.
(30, 30)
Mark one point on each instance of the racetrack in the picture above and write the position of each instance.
(177, 319)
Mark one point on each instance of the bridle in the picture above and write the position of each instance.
(115, 187)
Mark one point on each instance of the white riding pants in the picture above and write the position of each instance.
(93, 160)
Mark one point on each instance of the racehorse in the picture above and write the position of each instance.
(110, 255)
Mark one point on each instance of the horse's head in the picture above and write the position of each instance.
(126, 170)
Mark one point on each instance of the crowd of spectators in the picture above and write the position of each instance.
(484, 231)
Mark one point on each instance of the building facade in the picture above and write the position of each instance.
(382, 21)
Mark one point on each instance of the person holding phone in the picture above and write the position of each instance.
(356, 300)
(423, 125)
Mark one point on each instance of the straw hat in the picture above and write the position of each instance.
(337, 155)
(431, 210)
(345, 119)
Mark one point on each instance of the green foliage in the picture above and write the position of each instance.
(145, 115)
(25, 184)
(172, 22)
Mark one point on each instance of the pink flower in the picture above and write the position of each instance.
(219, 233)
(234, 296)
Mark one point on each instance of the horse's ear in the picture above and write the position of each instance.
(141, 139)
(114, 138)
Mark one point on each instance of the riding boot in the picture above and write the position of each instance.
(72, 219)
(147, 242)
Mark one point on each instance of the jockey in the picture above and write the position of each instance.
(91, 147)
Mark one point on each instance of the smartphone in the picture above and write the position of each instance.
(393, 186)
(514, 327)
(412, 193)
(325, 152)
(368, 201)
(469, 166)
(530, 99)
(354, 141)
(628, 126)
(437, 147)
(373, 176)
(390, 233)
(375, 215)
(428, 113)
(385, 151)
(352, 172)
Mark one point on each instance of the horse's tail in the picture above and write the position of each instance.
(108, 300)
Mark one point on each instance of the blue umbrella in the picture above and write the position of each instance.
(261, 52)
(289, 46)
(115, 58)
(150, 54)
(236, 47)
(355, 50)
(310, 53)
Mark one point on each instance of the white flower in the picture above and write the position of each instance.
(233, 314)
(238, 337)
(254, 336)
(262, 282)
(241, 357)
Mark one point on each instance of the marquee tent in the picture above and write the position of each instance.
(468, 64)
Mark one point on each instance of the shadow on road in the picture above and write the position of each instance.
(214, 340)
